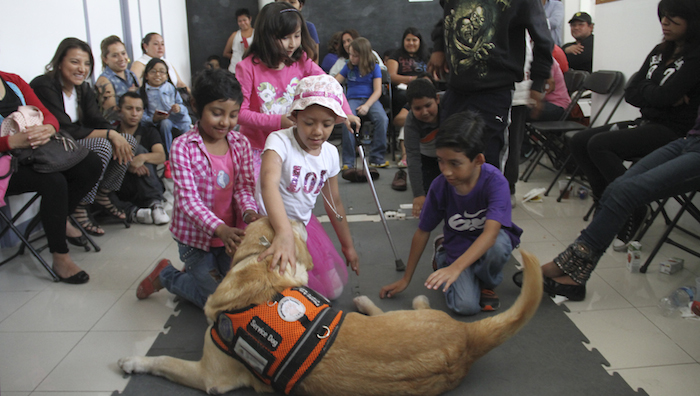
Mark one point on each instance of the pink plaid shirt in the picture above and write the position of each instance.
(194, 222)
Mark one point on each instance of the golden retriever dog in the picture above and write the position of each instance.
(412, 352)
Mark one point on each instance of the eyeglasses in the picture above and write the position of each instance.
(154, 71)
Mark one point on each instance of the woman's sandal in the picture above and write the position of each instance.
(102, 199)
(80, 241)
(84, 218)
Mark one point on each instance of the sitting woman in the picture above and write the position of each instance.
(404, 65)
(64, 91)
(344, 52)
(667, 91)
(668, 171)
(153, 46)
(333, 49)
(162, 104)
(60, 191)
(116, 79)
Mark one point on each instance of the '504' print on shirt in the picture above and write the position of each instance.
(311, 183)
(468, 222)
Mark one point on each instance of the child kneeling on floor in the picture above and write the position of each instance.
(212, 169)
(473, 199)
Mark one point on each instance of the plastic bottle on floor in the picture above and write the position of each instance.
(680, 297)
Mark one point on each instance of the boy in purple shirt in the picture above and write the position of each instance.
(473, 199)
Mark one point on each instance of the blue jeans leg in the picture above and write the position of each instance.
(204, 272)
(668, 171)
(348, 143)
(165, 126)
(462, 296)
(380, 123)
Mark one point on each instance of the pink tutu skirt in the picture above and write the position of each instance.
(330, 273)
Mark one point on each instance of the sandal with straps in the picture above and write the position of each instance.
(84, 218)
(102, 199)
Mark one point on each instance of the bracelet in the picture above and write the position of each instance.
(108, 134)
(245, 216)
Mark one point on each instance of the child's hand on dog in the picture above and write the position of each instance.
(230, 236)
(282, 251)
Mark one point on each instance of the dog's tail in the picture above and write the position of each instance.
(497, 329)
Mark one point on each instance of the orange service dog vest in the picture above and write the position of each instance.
(281, 341)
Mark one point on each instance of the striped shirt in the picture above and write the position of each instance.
(194, 221)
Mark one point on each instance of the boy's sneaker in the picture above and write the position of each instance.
(144, 216)
(630, 230)
(159, 215)
(167, 173)
(437, 248)
(379, 165)
(489, 300)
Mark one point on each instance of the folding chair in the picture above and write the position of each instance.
(574, 80)
(26, 242)
(687, 206)
(604, 82)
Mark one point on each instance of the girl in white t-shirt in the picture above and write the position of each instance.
(298, 165)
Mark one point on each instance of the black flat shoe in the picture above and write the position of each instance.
(518, 278)
(572, 292)
(77, 279)
(77, 241)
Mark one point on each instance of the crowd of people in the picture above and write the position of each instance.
(252, 141)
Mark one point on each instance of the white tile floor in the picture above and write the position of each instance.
(58, 339)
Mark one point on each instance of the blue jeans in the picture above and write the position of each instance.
(670, 170)
(203, 273)
(462, 296)
(181, 121)
(380, 122)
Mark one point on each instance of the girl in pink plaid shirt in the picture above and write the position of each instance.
(214, 188)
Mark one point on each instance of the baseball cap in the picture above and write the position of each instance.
(581, 16)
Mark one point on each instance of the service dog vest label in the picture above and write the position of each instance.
(264, 333)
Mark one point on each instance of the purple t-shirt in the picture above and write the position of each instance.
(465, 215)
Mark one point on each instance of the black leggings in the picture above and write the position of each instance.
(60, 194)
(601, 152)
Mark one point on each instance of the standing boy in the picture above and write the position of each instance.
(472, 197)
(142, 190)
(482, 45)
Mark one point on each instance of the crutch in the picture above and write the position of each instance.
(399, 263)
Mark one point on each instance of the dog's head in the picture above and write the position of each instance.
(250, 281)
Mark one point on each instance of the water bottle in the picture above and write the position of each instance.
(680, 297)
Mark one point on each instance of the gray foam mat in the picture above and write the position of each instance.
(547, 357)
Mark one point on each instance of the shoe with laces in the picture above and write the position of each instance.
(437, 248)
(379, 165)
(159, 215)
(399, 183)
(489, 301)
(402, 164)
(630, 230)
(144, 216)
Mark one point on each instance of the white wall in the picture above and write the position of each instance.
(28, 43)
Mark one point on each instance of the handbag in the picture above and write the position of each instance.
(60, 153)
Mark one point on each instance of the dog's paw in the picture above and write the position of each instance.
(132, 364)
(421, 302)
(363, 304)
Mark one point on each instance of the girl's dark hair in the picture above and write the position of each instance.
(420, 88)
(63, 48)
(150, 65)
(689, 10)
(422, 53)
(274, 22)
(367, 62)
(335, 42)
(104, 47)
(147, 39)
(463, 132)
(341, 50)
(211, 85)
